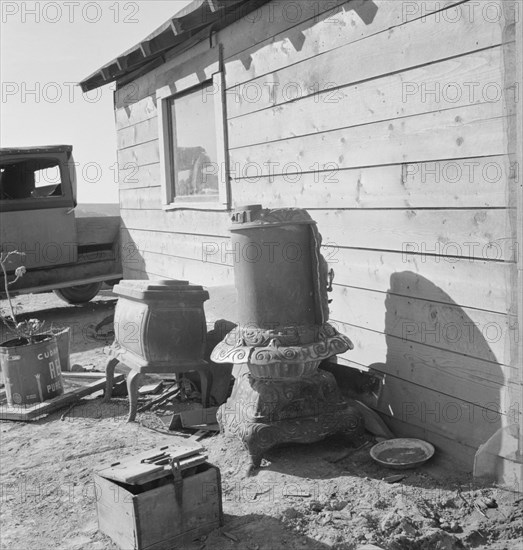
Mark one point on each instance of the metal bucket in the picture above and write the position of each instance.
(32, 372)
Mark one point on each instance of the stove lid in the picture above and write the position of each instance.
(160, 289)
(254, 216)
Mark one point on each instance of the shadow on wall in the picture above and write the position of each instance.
(441, 375)
(126, 96)
(133, 263)
(365, 9)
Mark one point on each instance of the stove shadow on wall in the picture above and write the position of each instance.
(441, 379)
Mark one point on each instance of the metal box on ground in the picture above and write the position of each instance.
(161, 499)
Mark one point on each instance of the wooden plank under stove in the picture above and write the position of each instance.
(26, 413)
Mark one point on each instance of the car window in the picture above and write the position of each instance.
(30, 178)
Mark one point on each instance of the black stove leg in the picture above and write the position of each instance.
(109, 377)
(133, 380)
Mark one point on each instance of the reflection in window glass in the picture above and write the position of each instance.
(193, 145)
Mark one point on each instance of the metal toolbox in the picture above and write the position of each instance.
(160, 499)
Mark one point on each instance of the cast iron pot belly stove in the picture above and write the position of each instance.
(283, 335)
(159, 328)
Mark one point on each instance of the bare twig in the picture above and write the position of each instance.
(479, 508)
(170, 392)
(230, 536)
(64, 416)
(3, 260)
(460, 494)
(29, 328)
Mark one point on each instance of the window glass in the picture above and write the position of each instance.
(193, 145)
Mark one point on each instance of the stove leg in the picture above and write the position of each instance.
(258, 438)
(205, 382)
(109, 377)
(255, 459)
(133, 380)
(251, 470)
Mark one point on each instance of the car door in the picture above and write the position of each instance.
(37, 206)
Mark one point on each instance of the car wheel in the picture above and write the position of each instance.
(78, 294)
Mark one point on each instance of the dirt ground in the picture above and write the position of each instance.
(320, 496)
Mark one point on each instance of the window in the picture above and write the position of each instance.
(30, 179)
(193, 145)
(192, 149)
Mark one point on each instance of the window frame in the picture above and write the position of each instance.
(164, 96)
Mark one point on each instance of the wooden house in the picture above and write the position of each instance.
(397, 125)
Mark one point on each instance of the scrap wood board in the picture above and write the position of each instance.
(25, 413)
(198, 417)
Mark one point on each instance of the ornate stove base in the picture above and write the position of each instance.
(266, 413)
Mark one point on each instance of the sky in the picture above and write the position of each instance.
(46, 48)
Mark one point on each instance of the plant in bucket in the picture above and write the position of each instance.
(30, 362)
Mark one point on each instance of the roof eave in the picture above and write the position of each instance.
(197, 16)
